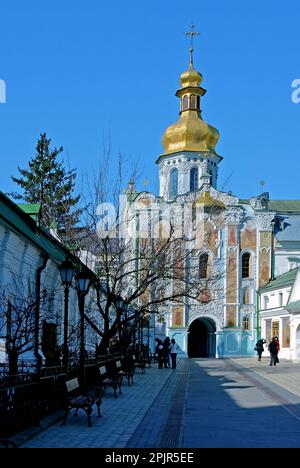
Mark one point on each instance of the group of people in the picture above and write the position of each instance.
(166, 352)
(274, 348)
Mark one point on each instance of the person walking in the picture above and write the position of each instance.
(173, 353)
(159, 349)
(273, 351)
(166, 345)
(260, 348)
(277, 348)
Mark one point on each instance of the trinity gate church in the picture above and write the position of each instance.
(244, 242)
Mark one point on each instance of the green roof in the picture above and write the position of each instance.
(15, 219)
(32, 209)
(284, 205)
(293, 306)
(282, 281)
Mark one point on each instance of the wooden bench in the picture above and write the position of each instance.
(109, 379)
(139, 363)
(80, 400)
(125, 371)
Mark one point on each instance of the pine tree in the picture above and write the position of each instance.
(45, 181)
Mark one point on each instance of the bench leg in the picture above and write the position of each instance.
(98, 408)
(89, 412)
(65, 417)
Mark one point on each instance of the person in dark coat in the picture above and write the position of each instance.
(167, 345)
(273, 351)
(260, 348)
(159, 350)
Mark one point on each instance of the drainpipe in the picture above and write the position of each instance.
(37, 311)
(273, 251)
(257, 316)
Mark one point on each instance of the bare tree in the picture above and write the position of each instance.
(17, 321)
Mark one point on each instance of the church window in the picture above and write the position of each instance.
(174, 183)
(192, 101)
(266, 302)
(246, 322)
(198, 102)
(185, 103)
(203, 266)
(194, 179)
(246, 265)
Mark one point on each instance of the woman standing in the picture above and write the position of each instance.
(173, 352)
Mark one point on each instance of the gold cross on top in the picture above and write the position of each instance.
(192, 33)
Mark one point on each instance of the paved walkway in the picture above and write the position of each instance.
(204, 403)
(120, 417)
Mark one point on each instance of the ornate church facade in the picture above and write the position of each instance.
(241, 244)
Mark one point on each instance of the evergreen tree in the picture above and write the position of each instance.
(47, 182)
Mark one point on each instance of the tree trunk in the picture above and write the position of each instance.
(13, 361)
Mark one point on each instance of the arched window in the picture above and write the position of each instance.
(246, 265)
(203, 266)
(192, 101)
(185, 102)
(246, 322)
(194, 179)
(174, 183)
(198, 102)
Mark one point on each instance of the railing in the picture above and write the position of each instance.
(28, 396)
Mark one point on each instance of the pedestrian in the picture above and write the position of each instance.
(277, 348)
(159, 350)
(166, 345)
(260, 348)
(273, 351)
(173, 353)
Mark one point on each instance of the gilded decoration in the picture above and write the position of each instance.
(264, 267)
(231, 293)
(177, 317)
(248, 236)
(230, 316)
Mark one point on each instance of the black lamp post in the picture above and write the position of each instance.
(66, 271)
(119, 303)
(82, 285)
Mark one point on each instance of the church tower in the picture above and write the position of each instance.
(189, 162)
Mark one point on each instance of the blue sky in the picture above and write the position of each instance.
(88, 71)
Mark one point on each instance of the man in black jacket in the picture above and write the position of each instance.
(273, 351)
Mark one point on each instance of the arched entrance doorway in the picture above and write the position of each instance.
(202, 338)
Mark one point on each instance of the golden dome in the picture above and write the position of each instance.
(191, 132)
(191, 78)
(207, 200)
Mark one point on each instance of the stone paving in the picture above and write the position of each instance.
(120, 417)
(229, 405)
(286, 374)
(203, 403)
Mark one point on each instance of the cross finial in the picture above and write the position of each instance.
(192, 33)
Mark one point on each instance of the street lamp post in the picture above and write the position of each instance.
(66, 271)
(119, 303)
(82, 286)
